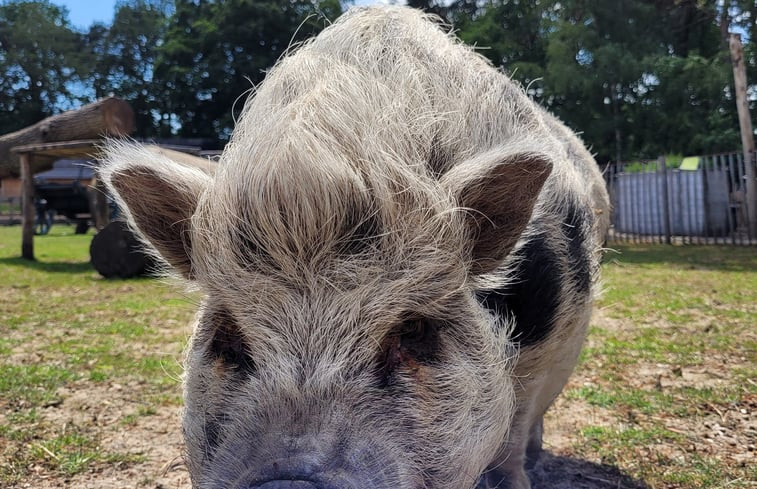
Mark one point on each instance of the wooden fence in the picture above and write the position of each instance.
(10, 210)
(701, 202)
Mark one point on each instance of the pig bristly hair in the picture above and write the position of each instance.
(380, 178)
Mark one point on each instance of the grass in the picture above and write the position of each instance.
(669, 366)
(63, 327)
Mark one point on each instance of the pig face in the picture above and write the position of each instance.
(339, 344)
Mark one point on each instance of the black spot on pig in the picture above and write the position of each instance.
(532, 298)
(576, 223)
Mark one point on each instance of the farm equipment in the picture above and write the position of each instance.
(65, 145)
(64, 190)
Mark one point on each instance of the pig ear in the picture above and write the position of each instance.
(158, 197)
(498, 193)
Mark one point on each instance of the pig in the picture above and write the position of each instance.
(397, 254)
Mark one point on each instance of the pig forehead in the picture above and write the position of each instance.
(352, 296)
(364, 256)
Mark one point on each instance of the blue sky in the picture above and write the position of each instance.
(83, 13)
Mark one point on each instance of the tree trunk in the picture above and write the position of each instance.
(106, 117)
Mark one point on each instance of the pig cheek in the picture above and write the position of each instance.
(208, 392)
(420, 377)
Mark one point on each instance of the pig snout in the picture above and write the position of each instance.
(280, 461)
(334, 480)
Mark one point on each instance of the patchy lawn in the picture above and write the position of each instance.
(665, 396)
(89, 370)
(667, 385)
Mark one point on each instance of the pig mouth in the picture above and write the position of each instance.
(288, 484)
(311, 483)
(303, 474)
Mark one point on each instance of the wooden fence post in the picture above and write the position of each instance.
(747, 136)
(27, 206)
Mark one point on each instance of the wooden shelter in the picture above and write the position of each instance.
(74, 134)
(27, 155)
(86, 149)
(106, 117)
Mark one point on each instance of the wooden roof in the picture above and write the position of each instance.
(84, 148)
(90, 149)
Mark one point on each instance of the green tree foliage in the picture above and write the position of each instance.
(39, 62)
(636, 78)
(597, 60)
(122, 59)
(215, 52)
(512, 34)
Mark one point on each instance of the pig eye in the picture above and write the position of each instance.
(419, 339)
(227, 345)
(412, 344)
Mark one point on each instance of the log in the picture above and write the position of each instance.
(116, 252)
(105, 117)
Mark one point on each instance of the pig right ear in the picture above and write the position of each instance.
(158, 197)
(497, 191)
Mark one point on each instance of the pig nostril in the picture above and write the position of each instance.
(286, 484)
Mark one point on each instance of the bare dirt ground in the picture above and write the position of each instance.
(100, 408)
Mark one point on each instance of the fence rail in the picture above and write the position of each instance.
(703, 202)
(10, 210)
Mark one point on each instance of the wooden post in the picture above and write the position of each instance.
(747, 134)
(98, 203)
(27, 207)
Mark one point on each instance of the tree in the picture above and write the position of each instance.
(641, 78)
(40, 62)
(122, 57)
(210, 61)
(511, 33)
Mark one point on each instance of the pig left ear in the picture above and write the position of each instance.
(497, 193)
(158, 195)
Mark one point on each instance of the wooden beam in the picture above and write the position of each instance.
(747, 133)
(27, 207)
(106, 117)
(84, 148)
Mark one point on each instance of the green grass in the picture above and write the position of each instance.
(683, 302)
(679, 349)
(672, 312)
(63, 326)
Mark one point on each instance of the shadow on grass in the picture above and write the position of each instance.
(52, 267)
(559, 472)
(719, 258)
